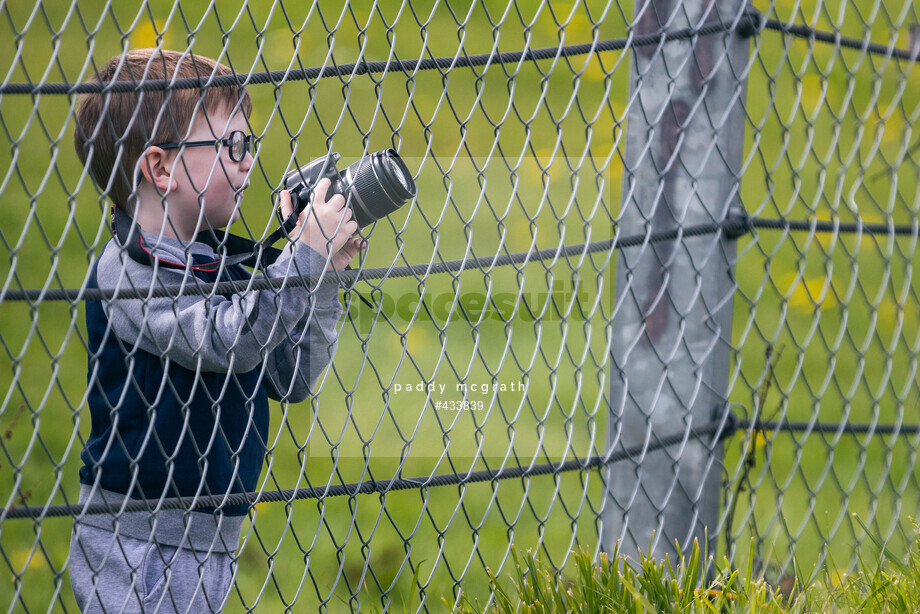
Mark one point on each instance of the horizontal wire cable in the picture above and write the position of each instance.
(348, 278)
(829, 226)
(722, 429)
(747, 23)
(836, 427)
(734, 227)
(834, 38)
(751, 22)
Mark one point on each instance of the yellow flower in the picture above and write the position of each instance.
(761, 438)
(813, 94)
(20, 558)
(145, 34)
(806, 294)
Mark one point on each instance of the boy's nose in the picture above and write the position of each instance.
(247, 161)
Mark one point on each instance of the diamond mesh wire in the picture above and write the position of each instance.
(515, 160)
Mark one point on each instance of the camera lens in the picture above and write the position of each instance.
(377, 185)
(400, 176)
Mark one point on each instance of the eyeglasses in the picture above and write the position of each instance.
(239, 144)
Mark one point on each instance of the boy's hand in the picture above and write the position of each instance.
(344, 256)
(325, 225)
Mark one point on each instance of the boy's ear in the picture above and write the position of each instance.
(156, 168)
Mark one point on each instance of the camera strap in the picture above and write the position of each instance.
(238, 250)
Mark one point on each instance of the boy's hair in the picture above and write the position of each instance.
(113, 130)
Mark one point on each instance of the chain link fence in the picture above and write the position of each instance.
(656, 284)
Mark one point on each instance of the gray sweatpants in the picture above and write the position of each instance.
(114, 573)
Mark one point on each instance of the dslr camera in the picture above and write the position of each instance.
(374, 187)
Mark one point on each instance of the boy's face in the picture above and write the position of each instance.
(207, 179)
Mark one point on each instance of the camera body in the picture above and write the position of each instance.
(374, 186)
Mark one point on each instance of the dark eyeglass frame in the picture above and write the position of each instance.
(246, 141)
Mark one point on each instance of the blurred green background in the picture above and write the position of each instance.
(506, 159)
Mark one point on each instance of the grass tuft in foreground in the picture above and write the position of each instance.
(885, 584)
(648, 585)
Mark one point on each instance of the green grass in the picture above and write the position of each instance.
(828, 136)
(620, 584)
(883, 583)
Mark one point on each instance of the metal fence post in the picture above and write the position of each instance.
(671, 343)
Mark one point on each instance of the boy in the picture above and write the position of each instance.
(178, 386)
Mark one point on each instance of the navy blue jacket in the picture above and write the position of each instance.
(160, 429)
